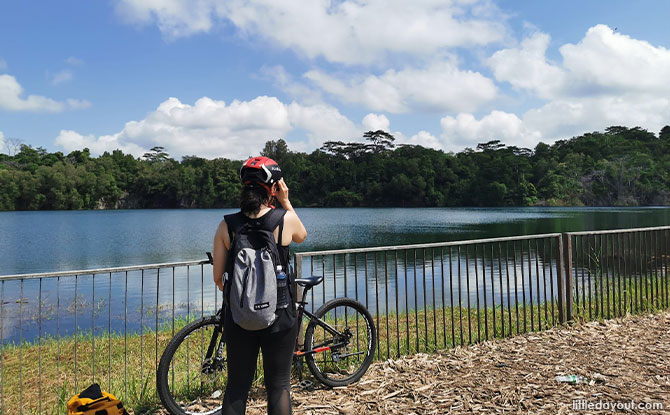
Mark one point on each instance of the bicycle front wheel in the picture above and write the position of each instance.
(340, 345)
(191, 374)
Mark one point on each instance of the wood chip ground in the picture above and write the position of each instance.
(624, 360)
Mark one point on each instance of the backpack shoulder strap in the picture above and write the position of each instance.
(281, 232)
(234, 221)
(275, 218)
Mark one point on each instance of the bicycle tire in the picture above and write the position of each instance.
(206, 398)
(346, 359)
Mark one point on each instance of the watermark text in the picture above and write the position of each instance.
(620, 405)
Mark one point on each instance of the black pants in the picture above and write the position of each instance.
(242, 350)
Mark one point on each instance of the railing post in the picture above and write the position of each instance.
(560, 271)
(567, 250)
(297, 292)
(295, 289)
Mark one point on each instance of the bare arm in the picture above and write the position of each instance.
(221, 247)
(291, 221)
(295, 224)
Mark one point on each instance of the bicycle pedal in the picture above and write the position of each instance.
(306, 384)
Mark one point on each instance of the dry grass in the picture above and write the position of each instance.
(624, 359)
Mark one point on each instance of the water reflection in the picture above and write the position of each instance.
(499, 275)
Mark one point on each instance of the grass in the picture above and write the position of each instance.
(57, 368)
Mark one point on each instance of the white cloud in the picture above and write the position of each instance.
(2, 143)
(77, 104)
(602, 63)
(440, 87)
(322, 123)
(528, 68)
(175, 18)
(615, 62)
(74, 61)
(285, 81)
(607, 78)
(62, 76)
(211, 128)
(71, 140)
(374, 122)
(347, 31)
(555, 120)
(465, 130)
(422, 138)
(11, 99)
(567, 118)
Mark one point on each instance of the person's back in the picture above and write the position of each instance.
(261, 182)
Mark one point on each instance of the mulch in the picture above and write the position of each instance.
(625, 363)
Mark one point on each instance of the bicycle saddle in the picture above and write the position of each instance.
(309, 281)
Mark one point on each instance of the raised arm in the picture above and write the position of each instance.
(291, 221)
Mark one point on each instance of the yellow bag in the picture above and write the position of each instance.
(93, 401)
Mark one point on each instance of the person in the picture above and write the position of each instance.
(261, 182)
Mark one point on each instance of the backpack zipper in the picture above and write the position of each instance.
(244, 287)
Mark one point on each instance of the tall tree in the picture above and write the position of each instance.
(156, 155)
(380, 140)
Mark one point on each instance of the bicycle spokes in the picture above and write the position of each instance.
(192, 373)
(340, 342)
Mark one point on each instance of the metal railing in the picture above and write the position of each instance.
(430, 296)
(617, 272)
(61, 331)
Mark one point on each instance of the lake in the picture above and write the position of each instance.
(49, 241)
(32, 242)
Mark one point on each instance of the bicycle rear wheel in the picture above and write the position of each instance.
(344, 350)
(191, 374)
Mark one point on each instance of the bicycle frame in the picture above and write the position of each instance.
(321, 347)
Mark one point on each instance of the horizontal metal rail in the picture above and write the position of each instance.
(429, 245)
(613, 231)
(112, 270)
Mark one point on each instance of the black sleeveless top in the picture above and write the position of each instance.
(286, 317)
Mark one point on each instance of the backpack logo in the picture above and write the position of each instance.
(261, 306)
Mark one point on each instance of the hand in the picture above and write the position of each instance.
(219, 282)
(282, 194)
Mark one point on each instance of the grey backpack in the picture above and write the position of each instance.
(251, 286)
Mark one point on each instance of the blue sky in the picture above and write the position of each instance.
(218, 78)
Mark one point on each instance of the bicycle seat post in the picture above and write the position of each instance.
(304, 291)
(306, 284)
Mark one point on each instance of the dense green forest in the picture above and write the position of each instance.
(618, 167)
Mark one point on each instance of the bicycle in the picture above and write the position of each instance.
(339, 346)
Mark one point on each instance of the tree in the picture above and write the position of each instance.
(79, 157)
(12, 145)
(381, 141)
(621, 166)
(492, 145)
(156, 155)
(276, 150)
(665, 133)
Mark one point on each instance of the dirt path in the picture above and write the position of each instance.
(626, 359)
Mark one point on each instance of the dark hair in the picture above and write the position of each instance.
(252, 197)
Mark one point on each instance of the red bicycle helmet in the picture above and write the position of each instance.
(262, 170)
